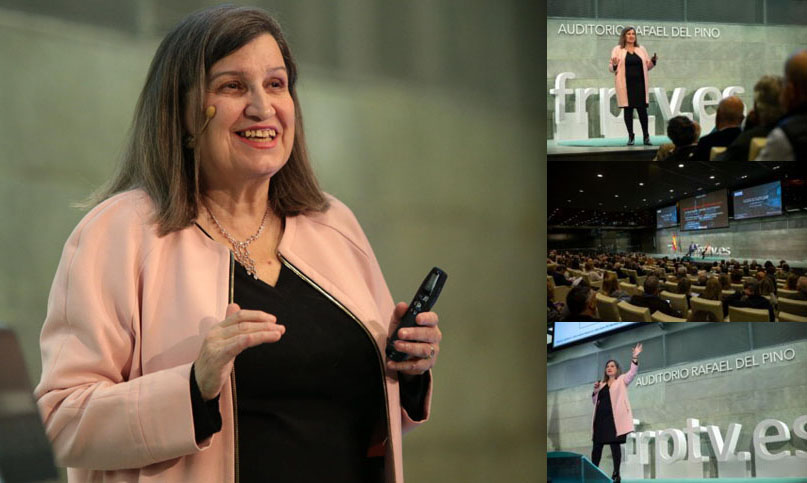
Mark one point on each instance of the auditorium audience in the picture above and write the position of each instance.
(761, 120)
(784, 273)
(788, 140)
(651, 300)
(582, 304)
(749, 298)
(727, 128)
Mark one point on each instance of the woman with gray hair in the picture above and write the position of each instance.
(213, 256)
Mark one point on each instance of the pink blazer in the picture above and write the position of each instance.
(623, 416)
(126, 316)
(619, 78)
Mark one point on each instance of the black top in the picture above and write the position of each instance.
(634, 81)
(604, 426)
(310, 404)
(715, 139)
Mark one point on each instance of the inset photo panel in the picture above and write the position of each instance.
(661, 242)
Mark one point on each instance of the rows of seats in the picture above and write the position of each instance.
(612, 310)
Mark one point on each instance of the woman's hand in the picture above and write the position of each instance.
(614, 61)
(225, 340)
(637, 350)
(597, 386)
(422, 342)
(654, 58)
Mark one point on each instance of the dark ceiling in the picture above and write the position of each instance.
(627, 193)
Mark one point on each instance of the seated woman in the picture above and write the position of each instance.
(610, 288)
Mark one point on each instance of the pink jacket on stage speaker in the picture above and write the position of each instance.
(127, 315)
(623, 416)
(619, 81)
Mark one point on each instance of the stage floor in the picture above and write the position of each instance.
(698, 259)
(603, 149)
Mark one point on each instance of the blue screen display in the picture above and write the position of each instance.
(667, 217)
(762, 200)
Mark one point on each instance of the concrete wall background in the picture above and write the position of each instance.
(741, 55)
(774, 238)
(745, 396)
(439, 170)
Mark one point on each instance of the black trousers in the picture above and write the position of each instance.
(629, 119)
(616, 454)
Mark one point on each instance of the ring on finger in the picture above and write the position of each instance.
(431, 353)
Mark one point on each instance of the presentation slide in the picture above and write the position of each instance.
(762, 200)
(667, 217)
(705, 211)
(568, 332)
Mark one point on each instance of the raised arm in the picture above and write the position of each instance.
(634, 365)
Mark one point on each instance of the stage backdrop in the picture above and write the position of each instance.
(775, 238)
(720, 374)
(692, 56)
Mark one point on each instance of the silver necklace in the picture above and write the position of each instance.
(241, 248)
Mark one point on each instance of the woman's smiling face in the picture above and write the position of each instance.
(252, 133)
(630, 36)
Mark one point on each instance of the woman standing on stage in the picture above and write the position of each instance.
(630, 63)
(613, 418)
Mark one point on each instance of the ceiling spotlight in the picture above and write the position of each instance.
(711, 177)
(671, 191)
(599, 175)
(681, 165)
(641, 184)
(581, 191)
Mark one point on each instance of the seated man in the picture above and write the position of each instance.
(727, 128)
(749, 298)
(651, 300)
(582, 304)
(559, 277)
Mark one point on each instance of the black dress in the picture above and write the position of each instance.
(634, 81)
(310, 405)
(604, 427)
